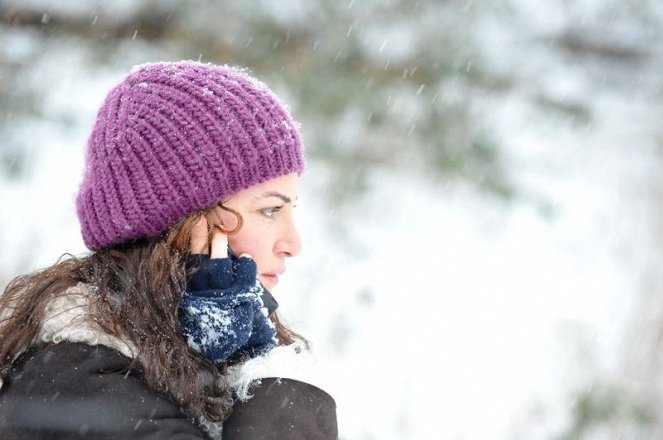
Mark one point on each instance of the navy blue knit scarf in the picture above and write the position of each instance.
(222, 313)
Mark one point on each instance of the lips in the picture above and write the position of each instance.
(271, 279)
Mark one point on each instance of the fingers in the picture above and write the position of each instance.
(199, 237)
(199, 279)
(246, 271)
(219, 244)
(220, 273)
(199, 245)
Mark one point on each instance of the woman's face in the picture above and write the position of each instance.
(269, 234)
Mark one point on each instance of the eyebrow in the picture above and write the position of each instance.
(277, 194)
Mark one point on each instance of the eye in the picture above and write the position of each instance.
(269, 212)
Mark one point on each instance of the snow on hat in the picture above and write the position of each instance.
(174, 138)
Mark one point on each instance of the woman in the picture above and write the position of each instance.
(166, 329)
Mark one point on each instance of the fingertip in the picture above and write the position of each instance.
(246, 261)
(247, 270)
(245, 255)
(219, 245)
(199, 222)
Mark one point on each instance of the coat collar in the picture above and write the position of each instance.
(68, 318)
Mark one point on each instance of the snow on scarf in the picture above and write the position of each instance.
(222, 312)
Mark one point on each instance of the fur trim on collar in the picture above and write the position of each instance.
(68, 319)
(292, 361)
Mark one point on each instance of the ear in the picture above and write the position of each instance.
(229, 220)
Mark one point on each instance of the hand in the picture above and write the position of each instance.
(216, 275)
(222, 314)
(199, 232)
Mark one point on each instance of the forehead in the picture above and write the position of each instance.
(287, 186)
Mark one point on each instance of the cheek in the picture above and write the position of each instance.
(240, 244)
(243, 243)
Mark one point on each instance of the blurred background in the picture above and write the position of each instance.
(481, 212)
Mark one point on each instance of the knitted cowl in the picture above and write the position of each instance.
(174, 138)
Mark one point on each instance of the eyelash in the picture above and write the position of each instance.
(269, 212)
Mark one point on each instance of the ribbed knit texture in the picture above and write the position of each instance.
(174, 138)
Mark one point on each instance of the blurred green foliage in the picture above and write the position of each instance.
(613, 409)
(367, 81)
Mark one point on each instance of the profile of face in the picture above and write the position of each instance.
(268, 233)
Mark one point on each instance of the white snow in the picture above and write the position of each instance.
(432, 307)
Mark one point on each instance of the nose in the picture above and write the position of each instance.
(289, 243)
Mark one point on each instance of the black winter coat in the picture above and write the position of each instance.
(76, 391)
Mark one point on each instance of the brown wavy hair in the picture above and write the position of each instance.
(135, 292)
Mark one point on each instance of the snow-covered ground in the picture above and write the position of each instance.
(456, 314)
(436, 311)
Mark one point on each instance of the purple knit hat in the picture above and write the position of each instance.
(173, 138)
